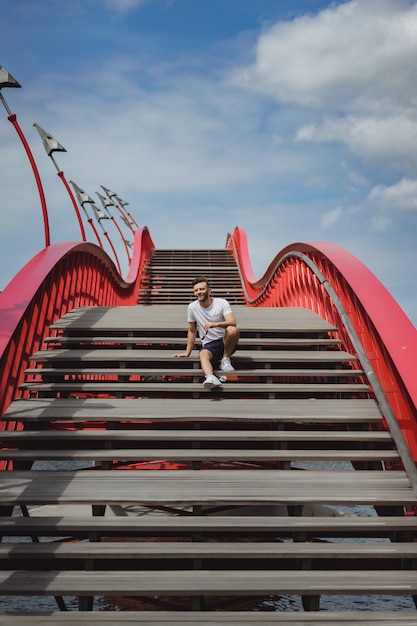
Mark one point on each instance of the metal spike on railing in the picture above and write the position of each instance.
(7, 80)
(108, 191)
(100, 215)
(121, 202)
(82, 196)
(49, 143)
(126, 221)
(104, 201)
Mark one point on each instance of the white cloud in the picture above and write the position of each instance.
(400, 196)
(350, 69)
(349, 55)
(331, 217)
(123, 6)
(381, 223)
(392, 140)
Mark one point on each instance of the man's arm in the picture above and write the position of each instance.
(191, 337)
(229, 320)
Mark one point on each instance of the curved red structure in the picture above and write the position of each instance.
(318, 276)
(57, 279)
(332, 282)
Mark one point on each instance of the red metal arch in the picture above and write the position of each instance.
(57, 279)
(306, 275)
(311, 275)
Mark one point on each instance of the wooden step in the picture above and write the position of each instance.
(155, 340)
(213, 618)
(232, 551)
(136, 318)
(186, 525)
(243, 359)
(207, 583)
(119, 370)
(226, 487)
(140, 455)
(140, 388)
(164, 436)
(318, 411)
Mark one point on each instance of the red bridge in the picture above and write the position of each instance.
(295, 483)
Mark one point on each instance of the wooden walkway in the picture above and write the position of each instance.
(187, 499)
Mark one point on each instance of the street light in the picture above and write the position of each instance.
(120, 207)
(122, 203)
(51, 145)
(106, 203)
(7, 80)
(84, 198)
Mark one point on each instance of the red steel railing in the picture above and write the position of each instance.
(330, 281)
(57, 279)
(319, 276)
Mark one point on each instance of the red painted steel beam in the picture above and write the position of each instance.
(58, 279)
(388, 337)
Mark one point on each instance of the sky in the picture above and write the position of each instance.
(295, 120)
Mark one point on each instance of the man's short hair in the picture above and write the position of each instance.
(200, 279)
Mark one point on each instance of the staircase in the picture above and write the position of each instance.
(186, 506)
(168, 275)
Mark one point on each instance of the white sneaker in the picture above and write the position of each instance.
(211, 382)
(225, 365)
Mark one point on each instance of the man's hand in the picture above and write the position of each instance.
(181, 354)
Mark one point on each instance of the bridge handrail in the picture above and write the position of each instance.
(306, 275)
(57, 279)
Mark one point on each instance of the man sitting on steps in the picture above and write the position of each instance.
(216, 325)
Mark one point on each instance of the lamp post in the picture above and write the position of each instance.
(122, 203)
(51, 145)
(84, 198)
(111, 194)
(106, 203)
(7, 80)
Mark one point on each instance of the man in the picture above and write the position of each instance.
(216, 325)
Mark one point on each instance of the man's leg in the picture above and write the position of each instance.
(231, 337)
(206, 361)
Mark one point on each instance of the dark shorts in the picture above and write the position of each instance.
(216, 347)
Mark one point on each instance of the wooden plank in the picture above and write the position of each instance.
(242, 357)
(143, 387)
(331, 526)
(156, 318)
(13, 437)
(319, 411)
(197, 455)
(208, 583)
(133, 550)
(211, 618)
(206, 487)
(119, 370)
(169, 340)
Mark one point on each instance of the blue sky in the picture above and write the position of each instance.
(293, 119)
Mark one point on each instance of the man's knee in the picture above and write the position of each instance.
(232, 332)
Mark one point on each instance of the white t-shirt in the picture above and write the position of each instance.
(216, 312)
